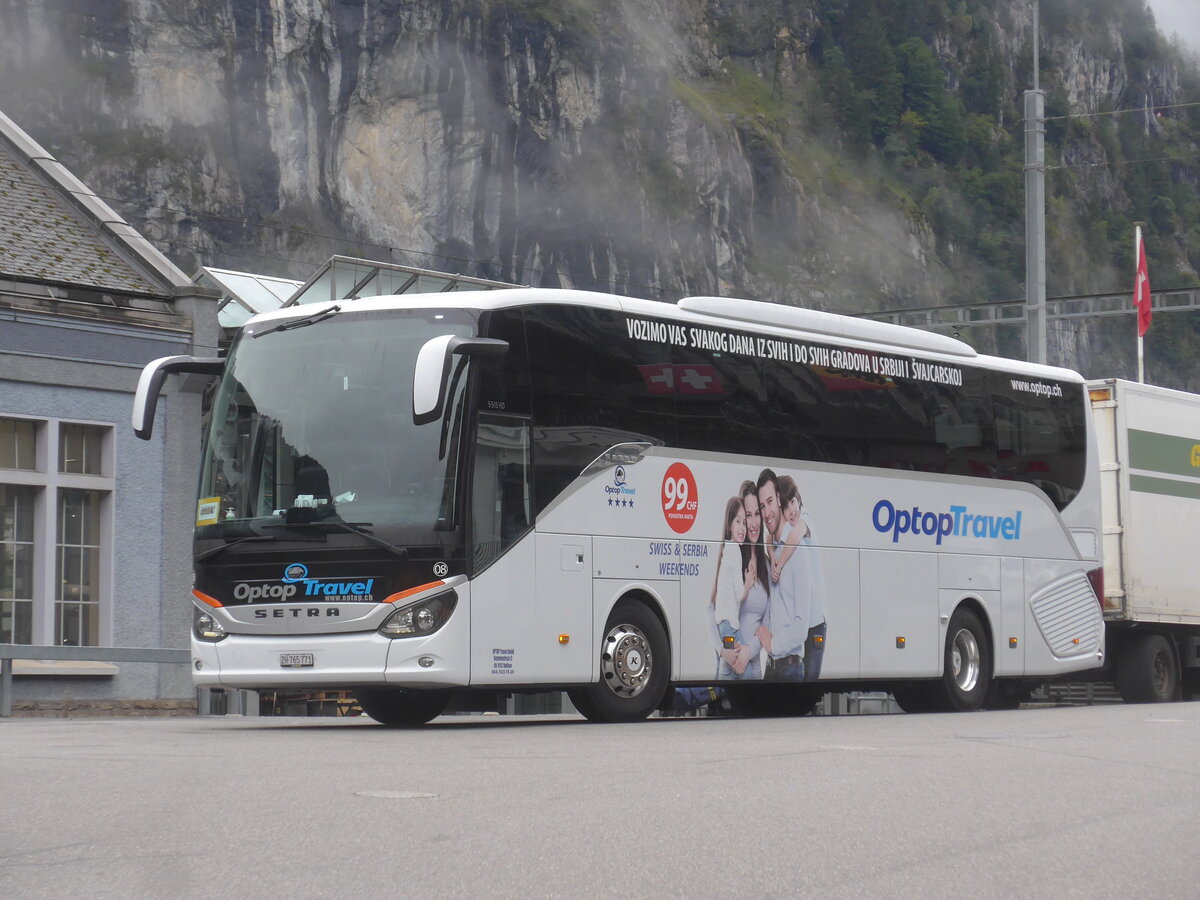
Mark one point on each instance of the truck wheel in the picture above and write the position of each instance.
(1146, 670)
(400, 707)
(967, 674)
(635, 663)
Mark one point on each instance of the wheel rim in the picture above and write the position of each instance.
(626, 661)
(1162, 673)
(964, 660)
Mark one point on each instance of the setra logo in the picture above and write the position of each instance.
(1196, 456)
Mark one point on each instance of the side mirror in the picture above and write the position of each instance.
(145, 400)
(433, 367)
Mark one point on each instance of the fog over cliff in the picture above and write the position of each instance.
(656, 148)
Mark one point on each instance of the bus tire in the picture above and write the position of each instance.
(1146, 671)
(635, 665)
(919, 697)
(773, 700)
(583, 704)
(967, 672)
(401, 707)
(1005, 694)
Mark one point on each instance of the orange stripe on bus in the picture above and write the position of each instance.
(204, 598)
(412, 590)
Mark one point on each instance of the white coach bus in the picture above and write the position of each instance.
(451, 497)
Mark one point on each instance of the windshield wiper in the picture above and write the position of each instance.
(310, 319)
(221, 548)
(359, 528)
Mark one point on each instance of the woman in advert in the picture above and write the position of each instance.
(740, 594)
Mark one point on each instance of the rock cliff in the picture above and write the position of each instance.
(649, 147)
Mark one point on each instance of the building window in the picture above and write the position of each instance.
(80, 448)
(56, 487)
(17, 444)
(16, 564)
(76, 616)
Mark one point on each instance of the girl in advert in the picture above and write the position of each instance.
(730, 588)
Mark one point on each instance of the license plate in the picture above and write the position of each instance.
(295, 660)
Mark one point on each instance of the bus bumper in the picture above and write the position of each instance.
(283, 662)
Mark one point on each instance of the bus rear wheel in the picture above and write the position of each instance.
(920, 697)
(635, 663)
(402, 707)
(967, 673)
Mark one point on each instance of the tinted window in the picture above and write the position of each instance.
(592, 388)
(721, 402)
(1041, 434)
(504, 380)
(814, 414)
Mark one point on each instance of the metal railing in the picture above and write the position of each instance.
(9, 652)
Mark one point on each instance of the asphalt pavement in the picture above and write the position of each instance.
(1059, 802)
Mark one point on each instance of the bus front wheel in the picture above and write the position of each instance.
(401, 707)
(635, 663)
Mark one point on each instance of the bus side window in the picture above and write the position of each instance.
(504, 382)
(720, 402)
(964, 426)
(1040, 439)
(807, 420)
(592, 387)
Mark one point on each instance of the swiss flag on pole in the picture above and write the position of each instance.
(1141, 287)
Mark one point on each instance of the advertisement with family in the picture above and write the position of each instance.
(766, 616)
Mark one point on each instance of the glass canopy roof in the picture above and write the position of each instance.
(344, 278)
(245, 294)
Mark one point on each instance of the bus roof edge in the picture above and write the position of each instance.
(830, 324)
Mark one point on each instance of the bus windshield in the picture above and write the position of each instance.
(314, 425)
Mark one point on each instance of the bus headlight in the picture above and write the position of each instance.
(420, 618)
(207, 628)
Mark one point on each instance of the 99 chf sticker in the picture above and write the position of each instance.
(680, 499)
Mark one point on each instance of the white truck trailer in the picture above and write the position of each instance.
(1149, 446)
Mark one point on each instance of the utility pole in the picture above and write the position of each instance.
(1035, 211)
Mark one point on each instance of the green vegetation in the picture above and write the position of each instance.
(922, 97)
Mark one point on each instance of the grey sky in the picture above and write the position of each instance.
(1180, 17)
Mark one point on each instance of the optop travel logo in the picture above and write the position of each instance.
(295, 582)
(958, 522)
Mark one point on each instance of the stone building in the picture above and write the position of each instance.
(95, 525)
